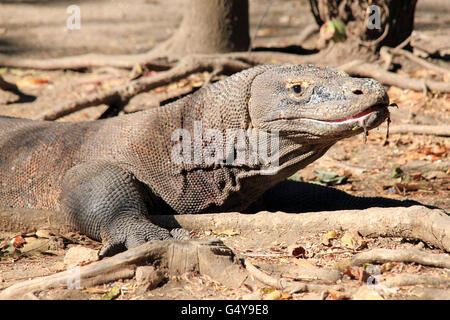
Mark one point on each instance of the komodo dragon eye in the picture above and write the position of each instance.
(297, 89)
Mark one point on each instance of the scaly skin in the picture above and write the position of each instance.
(110, 176)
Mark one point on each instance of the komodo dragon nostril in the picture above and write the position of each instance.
(357, 91)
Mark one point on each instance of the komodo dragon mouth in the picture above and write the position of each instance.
(359, 117)
(362, 121)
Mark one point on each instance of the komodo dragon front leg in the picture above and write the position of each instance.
(107, 203)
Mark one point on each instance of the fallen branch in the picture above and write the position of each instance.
(404, 255)
(212, 258)
(443, 131)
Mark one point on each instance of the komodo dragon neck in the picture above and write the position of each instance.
(194, 186)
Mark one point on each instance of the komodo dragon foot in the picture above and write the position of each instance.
(107, 203)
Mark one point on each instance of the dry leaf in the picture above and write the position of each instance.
(17, 241)
(326, 239)
(299, 252)
(112, 294)
(228, 232)
(352, 240)
(272, 295)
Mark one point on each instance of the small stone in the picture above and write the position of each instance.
(77, 256)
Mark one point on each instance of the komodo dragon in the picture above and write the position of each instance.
(109, 175)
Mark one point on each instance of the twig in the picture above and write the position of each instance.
(404, 255)
(405, 42)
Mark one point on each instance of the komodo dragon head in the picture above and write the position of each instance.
(316, 104)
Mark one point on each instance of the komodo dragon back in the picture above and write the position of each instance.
(108, 176)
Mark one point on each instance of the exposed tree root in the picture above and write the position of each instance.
(405, 255)
(443, 131)
(84, 61)
(151, 60)
(363, 69)
(417, 222)
(401, 280)
(429, 225)
(418, 60)
(285, 284)
(424, 293)
(119, 96)
(217, 261)
(211, 258)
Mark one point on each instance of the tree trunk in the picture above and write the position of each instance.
(369, 24)
(211, 26)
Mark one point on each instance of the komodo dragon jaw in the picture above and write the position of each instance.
(320, 104)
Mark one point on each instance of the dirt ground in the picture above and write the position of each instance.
(406, 166)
